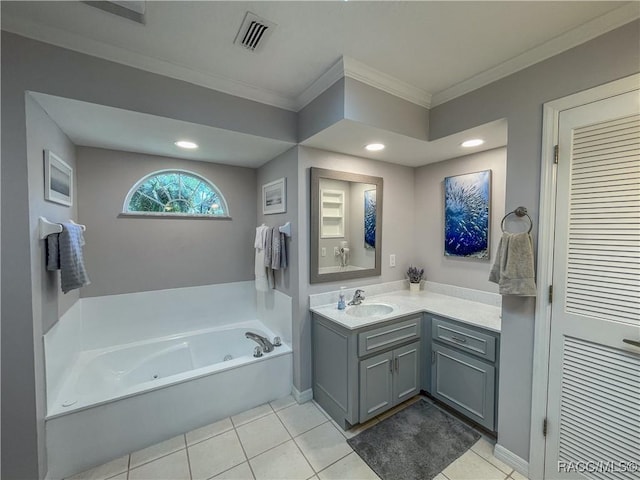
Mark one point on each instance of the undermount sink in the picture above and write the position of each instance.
(369, 310)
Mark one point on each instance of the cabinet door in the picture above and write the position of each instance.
(376, 385)
(406, 372)
(465, 383)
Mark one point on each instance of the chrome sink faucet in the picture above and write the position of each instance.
(358, 297)
(264, 342)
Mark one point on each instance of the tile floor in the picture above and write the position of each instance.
(280, 440)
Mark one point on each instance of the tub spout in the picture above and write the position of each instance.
(264, 342)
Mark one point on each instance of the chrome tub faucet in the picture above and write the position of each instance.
(358, 297)
(264, 342)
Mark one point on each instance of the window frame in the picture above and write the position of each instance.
(203, 216)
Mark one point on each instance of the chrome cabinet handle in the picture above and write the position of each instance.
(397, 363)
(433, 357)
(458, 339)
(635, 343)
(391, 366)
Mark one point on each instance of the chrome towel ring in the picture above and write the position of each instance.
(518, 212)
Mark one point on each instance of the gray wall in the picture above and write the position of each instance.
(366, 104)
(397, 237)
(29, 65)
(127, 254)
(283, 166)
(48, 301)
(519, 98)
(429, 220)
(353, 100)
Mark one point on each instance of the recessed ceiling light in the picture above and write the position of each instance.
(473, 142)
(374, 147)
(186, 144)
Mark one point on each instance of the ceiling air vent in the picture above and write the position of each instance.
(254, 32)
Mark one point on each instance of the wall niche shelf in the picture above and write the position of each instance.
(332, 214)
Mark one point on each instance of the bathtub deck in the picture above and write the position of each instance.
(280, 440)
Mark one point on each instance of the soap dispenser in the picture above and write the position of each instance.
(341, 301)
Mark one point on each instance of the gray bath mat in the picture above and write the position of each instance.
(416, 443)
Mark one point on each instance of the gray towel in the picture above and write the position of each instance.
(284, 258)
(268, 239)
(513, 268)
(276, 248)
(65, 253)
(53, 252)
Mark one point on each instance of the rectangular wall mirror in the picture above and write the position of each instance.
(346, 225)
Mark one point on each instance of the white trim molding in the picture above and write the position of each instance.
(302, 397)
(585, 32)
(345, 67)
(349, 67)
(520, 465)
(551, 113)
(387, 83)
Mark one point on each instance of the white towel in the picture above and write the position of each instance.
(262, 283)
(513, 268)
(261, 234)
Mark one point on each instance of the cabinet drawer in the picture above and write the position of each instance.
(388, 336)
(480, 344)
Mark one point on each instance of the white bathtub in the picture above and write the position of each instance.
(109, 374)
(105, 400)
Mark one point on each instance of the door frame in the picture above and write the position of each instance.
(546, 234)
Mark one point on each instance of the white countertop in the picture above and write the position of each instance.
(407, 303)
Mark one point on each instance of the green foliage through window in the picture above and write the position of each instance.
(176, 192)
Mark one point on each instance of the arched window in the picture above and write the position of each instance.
(175, 192)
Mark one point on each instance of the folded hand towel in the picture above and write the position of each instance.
(262, 284)
(267, 247)
(513, 268)
(261, 234)
(276, 248)
(72, 271)
(53, 252)
(284, 256)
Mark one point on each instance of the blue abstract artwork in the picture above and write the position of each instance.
(466, 215)
(370, 218)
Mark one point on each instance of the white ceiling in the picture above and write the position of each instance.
(347, 136)
(432, 50)
(442, 48)
(91, 125)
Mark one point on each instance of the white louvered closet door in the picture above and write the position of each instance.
(593, 409)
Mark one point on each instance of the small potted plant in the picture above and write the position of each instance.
(415, 277)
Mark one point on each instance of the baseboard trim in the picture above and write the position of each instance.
(520, 465)
(302, 397)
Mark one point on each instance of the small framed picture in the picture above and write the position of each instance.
(58, 179)
(274, 197)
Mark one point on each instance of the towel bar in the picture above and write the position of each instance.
(46, 228)
(286, 229)
(518, 212)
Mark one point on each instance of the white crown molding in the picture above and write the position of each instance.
(323, 82)
(387, 83)
(348, 67)
(123, 56)
(585, 32)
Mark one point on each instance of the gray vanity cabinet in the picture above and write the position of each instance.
(464, 369)
(389, 379)
(358, 374)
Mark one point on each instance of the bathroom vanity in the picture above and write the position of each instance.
(366, 364)
(360, 373)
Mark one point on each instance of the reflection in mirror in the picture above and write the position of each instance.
(346, 225)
